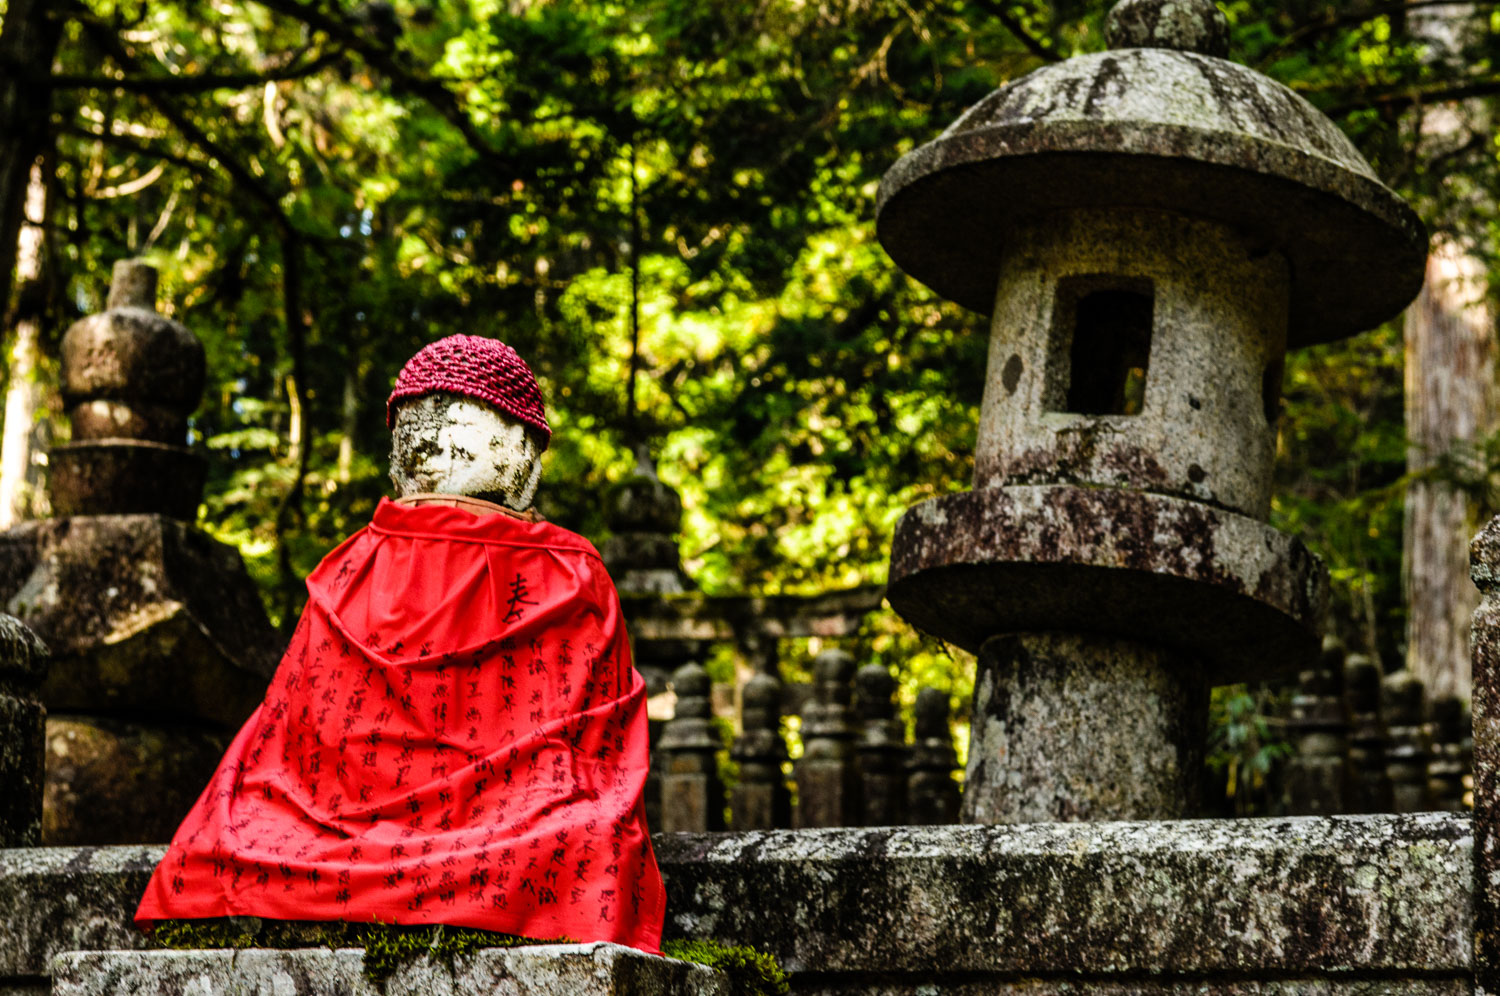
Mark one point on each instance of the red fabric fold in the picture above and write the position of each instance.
(455, 735)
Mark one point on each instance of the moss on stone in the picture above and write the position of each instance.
(750, 972)
(389, 946)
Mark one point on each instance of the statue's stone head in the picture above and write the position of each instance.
(467, 418)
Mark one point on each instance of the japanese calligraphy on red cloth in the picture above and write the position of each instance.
(455, 735)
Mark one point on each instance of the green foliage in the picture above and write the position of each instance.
(750, 972)
(677, 196)
(1246, 744)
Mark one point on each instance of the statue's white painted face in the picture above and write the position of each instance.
(449, 444)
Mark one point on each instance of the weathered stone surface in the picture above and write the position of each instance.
(1186, 25)
(1231, 592)
(125, 477)
(56, 899)
(130, 353)
(1484, 568)
(145, 616)
(544, 970)
(1210, 326)
(1165, 130)
(447, 443)
(23, 664)
(24, 658)
(1418, 985)
(1074, 727)
(1327, 898)
(112, 781)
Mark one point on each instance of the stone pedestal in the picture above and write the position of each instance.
(1070, 727)
(543, 970)
(23, 664)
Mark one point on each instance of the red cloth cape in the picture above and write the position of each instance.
(455, 735)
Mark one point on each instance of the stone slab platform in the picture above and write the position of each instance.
(1348, 906)
(543, 970)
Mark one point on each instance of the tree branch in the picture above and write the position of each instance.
(1333, 22)
(1417, 96)
(196, 83)
(389, 61)
(1036, 46)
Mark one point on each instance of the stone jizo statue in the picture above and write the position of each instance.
(456, 734)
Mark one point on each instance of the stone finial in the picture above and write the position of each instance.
(130, 378)
(644, 515)
(827, 773)
(932, 793)
(692, 794)
(761, 800)
(132, 284)
(882, 749)
(1184, 25)
(23, 663)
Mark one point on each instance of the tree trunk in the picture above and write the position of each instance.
(1450, 376)
(19, 471)
(29, 35)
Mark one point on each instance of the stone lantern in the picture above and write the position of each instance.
(1150, 227)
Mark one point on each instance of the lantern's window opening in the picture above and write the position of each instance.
(1101, 345)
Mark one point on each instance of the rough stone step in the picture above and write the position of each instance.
(544, 970)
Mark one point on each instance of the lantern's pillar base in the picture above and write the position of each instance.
(1075, 727)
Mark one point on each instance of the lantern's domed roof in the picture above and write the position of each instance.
(1157, 122)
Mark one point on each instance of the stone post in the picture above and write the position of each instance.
(23, 664)
(692, 794)
(931, 792)
(882, 751)
(1408, 750)
(1484, 568)
(1369, 788)
(761, 800)
(1151, 228)
(827, 772)
(160, 645)
(1450, 761)
(1317, 773)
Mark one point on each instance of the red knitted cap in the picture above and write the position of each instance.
(475, 367)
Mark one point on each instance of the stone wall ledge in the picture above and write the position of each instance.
(1264, 898)
(544, 970)
(1341, 898)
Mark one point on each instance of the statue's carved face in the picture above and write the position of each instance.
(449, 444)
